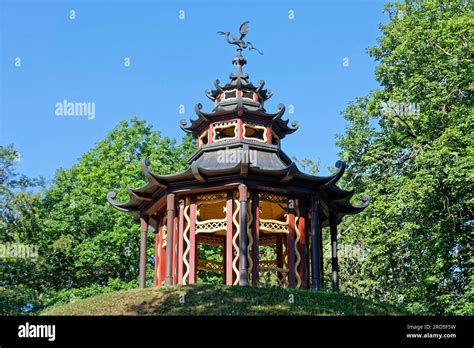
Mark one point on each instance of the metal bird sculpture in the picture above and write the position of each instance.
(244, 29)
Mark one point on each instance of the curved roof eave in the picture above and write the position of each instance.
(345, 207)
(327, 184)
(145, 193)
(281, 126)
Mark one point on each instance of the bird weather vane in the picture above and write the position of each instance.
(244, 29)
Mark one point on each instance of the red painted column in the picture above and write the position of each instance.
(240, 128)
(290, 243)
(229, 252)
(192, 241)
(157, 250)
(142, 269)
(181, 242)
(269, 135)
(255, 236)
(210, 134)
(302, 246)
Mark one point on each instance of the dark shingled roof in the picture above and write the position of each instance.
(240, 107)
(270, 167)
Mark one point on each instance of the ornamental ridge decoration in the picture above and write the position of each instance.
(242, 45)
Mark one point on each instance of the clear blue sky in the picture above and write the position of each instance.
(172, 62)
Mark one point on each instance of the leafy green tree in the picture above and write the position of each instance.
(15, 196)
(17, 221)
(409, 145)
(83, 242)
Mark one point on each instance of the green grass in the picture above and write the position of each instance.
(222, 300)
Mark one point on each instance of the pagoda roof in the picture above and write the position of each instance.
(273, 169)
(242, 107)
(239, 81)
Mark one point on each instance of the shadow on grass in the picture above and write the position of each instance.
(241, 301)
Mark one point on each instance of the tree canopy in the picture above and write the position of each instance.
(83, 241)
(409, 145)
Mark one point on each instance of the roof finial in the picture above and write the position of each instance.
(242, 45)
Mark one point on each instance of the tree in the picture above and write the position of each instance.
(17, 220)
(409, 145)
(83, 242)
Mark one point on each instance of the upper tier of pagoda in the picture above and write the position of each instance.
(241, 104)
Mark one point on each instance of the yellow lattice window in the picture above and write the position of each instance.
(224, 131)
(211, 213)
(273, 213)
(252, 131)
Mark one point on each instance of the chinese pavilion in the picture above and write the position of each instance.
(242, 194)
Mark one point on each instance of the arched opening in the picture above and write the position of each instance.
(254, 132)
(224, 131)
(247, 95)
(230, 94)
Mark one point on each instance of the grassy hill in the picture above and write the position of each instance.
(222, 300)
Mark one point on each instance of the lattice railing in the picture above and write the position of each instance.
(274, 226)
(212, 225)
